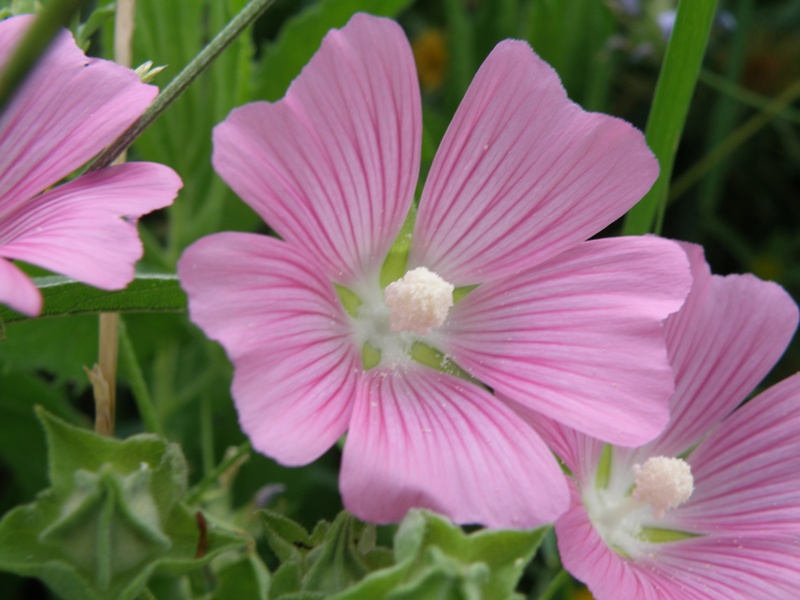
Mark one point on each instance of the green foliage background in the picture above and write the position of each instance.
(733, 189)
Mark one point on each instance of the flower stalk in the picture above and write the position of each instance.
(178, 85)
(104, 375)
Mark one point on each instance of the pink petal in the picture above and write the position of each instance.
(18, 291)
(579, 338)
(78, 229)
(734, 568)
(278, 317)
(580, 453)
(586, 556)
(332, 167)
(523, 174)
(724, 340)
(419, 438)
(703, 568)
(746, 472)
(68, 109)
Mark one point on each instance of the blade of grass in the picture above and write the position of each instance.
(724, 113)
(141, 395)
(673, 95)
(178, 85)
(734, 140)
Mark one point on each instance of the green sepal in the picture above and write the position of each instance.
(461, 292)
(656, 535)
(112, 517)
(433, 358)
(436, 559)
(603, 474)
(350, 301)
(332, 558)
(394, 267)
(370, 356)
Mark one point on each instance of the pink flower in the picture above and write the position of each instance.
(69, 109)
(521, 180)
(736, 533)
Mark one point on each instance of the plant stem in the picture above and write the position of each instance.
(108, 343)
(194, 495)
(141, 395)
(178, 85)
(555, 585)
(673, 95)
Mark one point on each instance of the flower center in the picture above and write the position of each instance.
(419, 301)
(664, 483)
(626, 505)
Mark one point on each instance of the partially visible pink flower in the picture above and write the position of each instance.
(69, 109)
(522, 178)
(737, 533)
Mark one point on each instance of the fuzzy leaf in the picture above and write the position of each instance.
(246, 577)
(436, 559)
(112, 517)
(65, 296)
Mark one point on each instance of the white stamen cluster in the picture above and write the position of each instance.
(663, 483)
(419, 302)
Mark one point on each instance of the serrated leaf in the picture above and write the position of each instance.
(111, 519)
(504, 552)
(436, 559)
(288, 539)
(337, 562)
(245, 578)
(302, 35)
(65, 296)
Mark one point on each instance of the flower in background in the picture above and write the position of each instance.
(430, 57)
(710, 508)
(68, 109)
(336, 328)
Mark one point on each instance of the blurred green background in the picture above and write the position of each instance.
(735, 191)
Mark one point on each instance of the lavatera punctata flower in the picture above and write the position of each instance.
(403, 335)
(711, 508)
(67, 110)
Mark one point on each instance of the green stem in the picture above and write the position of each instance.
(673, 95)
(556, 583)
(34, 44)
(194, 495)
(207, 434)
(753, 100)
(141, 395)
(734, 140)
(724, 112)
(178, 85)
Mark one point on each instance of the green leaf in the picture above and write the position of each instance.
(673, 95)
(65, 296)
(302, 35)
(99, 17)
(289, 540)
(246, 578)
(436, 559)
(332, 558)
(22, 444)
(112, 517)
